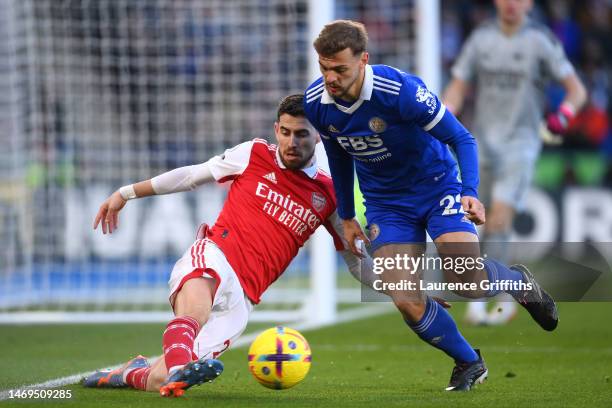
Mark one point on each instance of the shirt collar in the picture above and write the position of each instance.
(366, 88)
(311, 171)
(525, 24)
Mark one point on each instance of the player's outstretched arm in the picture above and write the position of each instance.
(177, 180)
(108, 213)
(226, 166)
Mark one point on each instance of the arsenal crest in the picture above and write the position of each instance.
(377, 125)
(318, 201)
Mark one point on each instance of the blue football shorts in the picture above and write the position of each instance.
(435, 207)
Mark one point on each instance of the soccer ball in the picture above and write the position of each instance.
(279, 358)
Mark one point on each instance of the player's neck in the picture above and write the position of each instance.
(510, 29)
(310, 163)
(355, 90)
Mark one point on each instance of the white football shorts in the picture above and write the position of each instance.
(506, 180)
(231, 308)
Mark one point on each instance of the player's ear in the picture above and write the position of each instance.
(317, 136)
(276, 130)
(365, 57)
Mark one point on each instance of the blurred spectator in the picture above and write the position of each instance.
(584, 29)
(565, 27)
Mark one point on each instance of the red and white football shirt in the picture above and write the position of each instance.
(270, 212)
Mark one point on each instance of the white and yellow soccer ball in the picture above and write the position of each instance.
(279, 358)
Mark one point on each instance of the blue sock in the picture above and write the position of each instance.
(438, 328)
(497, 271)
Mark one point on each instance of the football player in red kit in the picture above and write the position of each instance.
(277, 200)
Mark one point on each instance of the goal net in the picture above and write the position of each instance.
(98, 94)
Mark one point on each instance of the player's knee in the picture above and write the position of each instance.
(195, 299)
(411, 309)
(197, 311)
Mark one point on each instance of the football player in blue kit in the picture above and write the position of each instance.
(388, 127)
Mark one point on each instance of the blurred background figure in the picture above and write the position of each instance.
(509, 60)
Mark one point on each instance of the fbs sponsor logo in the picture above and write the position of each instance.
(271, 177)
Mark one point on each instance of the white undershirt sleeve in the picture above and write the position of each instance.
(182, 179)
(232, 163)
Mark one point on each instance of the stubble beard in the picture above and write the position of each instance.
(302, 164)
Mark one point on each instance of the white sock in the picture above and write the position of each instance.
(503, 312)
(476, 312)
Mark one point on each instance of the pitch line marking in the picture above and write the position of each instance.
(343, 317)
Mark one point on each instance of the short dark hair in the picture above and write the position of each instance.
(291, 105)
(341, 34)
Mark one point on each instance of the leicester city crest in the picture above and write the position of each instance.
(377, 125)
(374, 231)
(318, 201)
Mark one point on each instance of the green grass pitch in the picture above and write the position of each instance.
(371, 362)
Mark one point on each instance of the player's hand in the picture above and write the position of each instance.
(474, 210)
(548, 137)
(442, 302)
(558, 122)
(353, 233)
(108, 213)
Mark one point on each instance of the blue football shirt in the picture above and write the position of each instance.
(395, 135)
